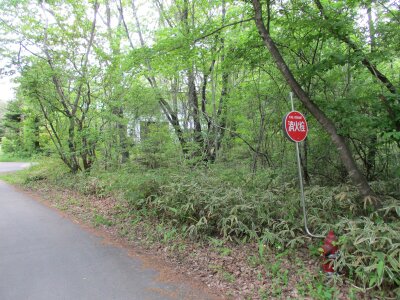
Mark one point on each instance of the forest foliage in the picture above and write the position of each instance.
(178, 105)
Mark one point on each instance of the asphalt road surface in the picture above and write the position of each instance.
(13, 166)
(45, 256)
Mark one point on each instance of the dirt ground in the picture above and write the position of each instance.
(222, 270)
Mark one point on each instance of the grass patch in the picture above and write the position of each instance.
(8, 158)
(13, 178)
(101, 220)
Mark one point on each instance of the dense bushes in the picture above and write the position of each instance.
(208, 203)
(370, 251)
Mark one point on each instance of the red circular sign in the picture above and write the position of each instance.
(295, 126)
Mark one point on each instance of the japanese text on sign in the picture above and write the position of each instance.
(295, 126)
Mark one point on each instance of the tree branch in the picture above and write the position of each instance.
(365, 61)
(221, 28)
(86, 58)
(121, 12)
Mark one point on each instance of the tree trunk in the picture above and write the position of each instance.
(345, 154)
(371, 152)
(304, 163)
(118, 111)
(192, 93)
(75, 167)
(221, 113)
(123, 137)
(194, 103)
(36, 129)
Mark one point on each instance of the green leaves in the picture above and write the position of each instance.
(371, 251)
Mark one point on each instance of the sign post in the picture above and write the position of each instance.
(295, 127)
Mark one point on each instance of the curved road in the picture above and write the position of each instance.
(45, 256)
(13, 166)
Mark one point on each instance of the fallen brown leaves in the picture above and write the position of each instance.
(226, 270)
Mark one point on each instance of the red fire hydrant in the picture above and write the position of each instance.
(329, 252)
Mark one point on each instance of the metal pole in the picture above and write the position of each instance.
(302, 198)
(291, 100)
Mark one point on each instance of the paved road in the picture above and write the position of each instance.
(12, 166)
(45, 256)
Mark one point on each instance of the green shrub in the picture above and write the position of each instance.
(225, 204)
(238, 206)
(8, 145)
(370, 249)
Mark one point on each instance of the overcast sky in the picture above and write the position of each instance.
(6, 89)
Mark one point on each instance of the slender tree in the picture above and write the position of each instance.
(345, 153)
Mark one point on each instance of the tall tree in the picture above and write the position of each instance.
(115, 91)
(58, 78)
(170, 114)
(345, 153)
(341, 33)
